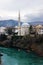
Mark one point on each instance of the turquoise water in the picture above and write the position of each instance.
(14, 57)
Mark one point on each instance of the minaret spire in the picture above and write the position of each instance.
(19, 18)
(19, 24)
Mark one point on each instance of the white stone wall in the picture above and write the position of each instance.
(24, 31)
(2, 30)
(40, 31)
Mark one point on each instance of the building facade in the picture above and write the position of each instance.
(39, 29)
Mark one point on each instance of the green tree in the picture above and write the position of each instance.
(9, 31)
(30, 29)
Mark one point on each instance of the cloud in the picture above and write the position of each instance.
(29, 9)
(35, 16)
(13, 5)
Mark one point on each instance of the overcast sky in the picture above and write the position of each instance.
(29, 9)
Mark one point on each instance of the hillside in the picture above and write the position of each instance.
(36, 23)
(12, 23)
(8, 23)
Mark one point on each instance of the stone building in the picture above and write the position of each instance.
(25, 29)
(2, 30)
(39, 29)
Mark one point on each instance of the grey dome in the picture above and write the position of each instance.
(25, 25)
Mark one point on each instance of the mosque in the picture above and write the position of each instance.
(22, 29)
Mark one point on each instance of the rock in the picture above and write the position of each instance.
(38, 49)
(18, 49)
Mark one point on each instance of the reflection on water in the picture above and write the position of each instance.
(14, 57)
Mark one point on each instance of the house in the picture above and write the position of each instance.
(39, 29)
(2, 30)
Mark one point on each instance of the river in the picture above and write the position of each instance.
(12, 56)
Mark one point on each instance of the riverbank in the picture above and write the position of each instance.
(28, 43)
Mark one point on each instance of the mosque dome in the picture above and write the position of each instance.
(25, 25)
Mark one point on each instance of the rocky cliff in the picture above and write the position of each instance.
(29, 43)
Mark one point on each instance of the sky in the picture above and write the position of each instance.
(30, 10)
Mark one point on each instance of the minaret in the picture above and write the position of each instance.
(19, 18)
(19, 24)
